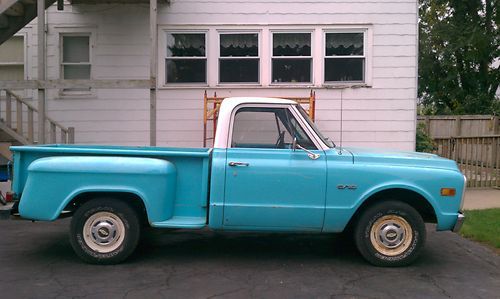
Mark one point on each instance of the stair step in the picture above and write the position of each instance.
(16, 10)
(182, 222)
(4, 22)
(6, 137)
(19, 13)
(5, 210)
(5, 152)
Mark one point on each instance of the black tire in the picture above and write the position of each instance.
(390, 234)
(104, 231)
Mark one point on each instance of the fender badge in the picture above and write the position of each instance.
(350, 187)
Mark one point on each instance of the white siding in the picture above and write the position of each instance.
(381, 115)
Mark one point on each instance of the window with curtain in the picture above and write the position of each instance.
(75, 58)
(239, 58)
(344, 57)
(291, 57)
(186, 58)
(12, 59)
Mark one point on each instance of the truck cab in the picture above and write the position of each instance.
(270, 170)
(259, 142)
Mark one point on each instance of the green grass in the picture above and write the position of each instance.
(483, 226)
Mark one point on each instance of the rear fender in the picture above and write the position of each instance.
(54, 182)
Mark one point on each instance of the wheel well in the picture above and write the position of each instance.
(133, 200)
(412, 198)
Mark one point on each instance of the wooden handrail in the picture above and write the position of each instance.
(18, 98)
(67, 134)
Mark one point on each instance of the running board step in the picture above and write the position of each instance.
(182, 222)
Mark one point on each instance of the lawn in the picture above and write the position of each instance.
(483, 226)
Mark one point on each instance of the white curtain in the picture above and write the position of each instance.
(335, 40)
(291, 39)
(189, 40)
(239, 40)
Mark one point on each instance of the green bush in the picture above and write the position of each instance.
(424, 142)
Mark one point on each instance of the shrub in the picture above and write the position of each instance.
(424, 142)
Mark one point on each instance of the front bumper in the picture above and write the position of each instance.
(459, 223)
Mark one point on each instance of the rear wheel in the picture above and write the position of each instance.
(104, 231)
(390, 233)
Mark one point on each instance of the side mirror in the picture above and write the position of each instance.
(310, 154)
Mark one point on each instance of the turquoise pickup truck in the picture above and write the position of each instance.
(270, 170)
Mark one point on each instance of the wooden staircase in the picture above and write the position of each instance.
(18, 120)
(15, 14)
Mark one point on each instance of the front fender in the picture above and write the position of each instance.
(398, 185)
(445, 211)
(339, 213)
(54, 181)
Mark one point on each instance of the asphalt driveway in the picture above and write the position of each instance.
(36, 261)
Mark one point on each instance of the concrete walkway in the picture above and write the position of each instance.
(476, 199)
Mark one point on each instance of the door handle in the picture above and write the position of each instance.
(238, 164)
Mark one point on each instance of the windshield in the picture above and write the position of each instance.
(313, 126)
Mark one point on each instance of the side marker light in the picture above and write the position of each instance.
(448, 191)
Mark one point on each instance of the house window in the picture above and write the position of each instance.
(344, 57)
(186, 59)
(75, 59)
(239, 58)
(12, 59)
(291, 57)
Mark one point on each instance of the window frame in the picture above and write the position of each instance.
(264, 32)
(163, 56)
(271, 56)
(307, 130)
(366, 51)
(18, 63)
(25, 93)
(68, 92)
(258, 57)
(23, 63)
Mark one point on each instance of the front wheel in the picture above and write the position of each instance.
(104, 231)
(390, 233)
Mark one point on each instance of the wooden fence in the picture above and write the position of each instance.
(473, 141)
(438, 126)
(478, 157)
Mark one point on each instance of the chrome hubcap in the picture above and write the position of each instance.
(103, 232)
(391, 235)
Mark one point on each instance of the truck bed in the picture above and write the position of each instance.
(191, 166)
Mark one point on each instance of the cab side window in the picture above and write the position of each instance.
(267, 128)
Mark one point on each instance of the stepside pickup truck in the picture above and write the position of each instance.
(270, 170)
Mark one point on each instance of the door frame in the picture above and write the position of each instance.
(319, 145)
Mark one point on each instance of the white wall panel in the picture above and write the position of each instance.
(381, 115)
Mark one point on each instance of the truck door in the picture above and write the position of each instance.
(269, 185)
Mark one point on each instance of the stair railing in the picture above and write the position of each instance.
(67, 135)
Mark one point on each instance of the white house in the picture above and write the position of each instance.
(360, 53)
